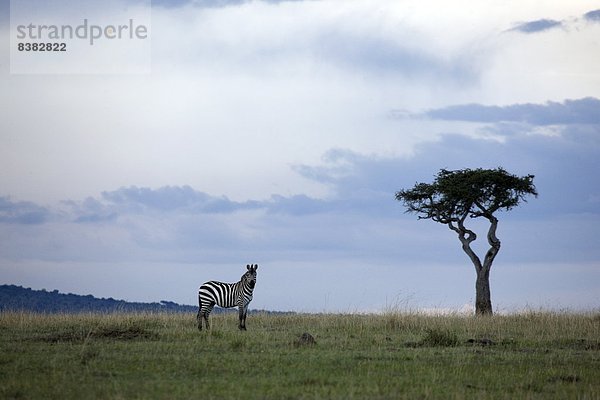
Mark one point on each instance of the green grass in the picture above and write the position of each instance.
(389, 356)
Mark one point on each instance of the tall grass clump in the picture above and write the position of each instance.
(439, 337)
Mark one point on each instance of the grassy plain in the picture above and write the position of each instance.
(387, 356)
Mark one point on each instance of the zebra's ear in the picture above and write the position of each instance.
(255, 267)
(248, 267)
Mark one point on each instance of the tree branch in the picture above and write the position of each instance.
(494, 244)
(485, 212)
(466, 237)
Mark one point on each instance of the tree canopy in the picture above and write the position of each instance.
(454, 195)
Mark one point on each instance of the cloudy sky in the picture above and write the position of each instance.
(277, 132)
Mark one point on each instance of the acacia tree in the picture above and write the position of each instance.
(457, 195)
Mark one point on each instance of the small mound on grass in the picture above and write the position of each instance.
(436, 338)
(481, 342)
(306, 339)
(124, 333)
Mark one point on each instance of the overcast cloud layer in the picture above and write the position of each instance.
(277, 132)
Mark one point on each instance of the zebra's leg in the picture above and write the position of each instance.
(243, 311)
(206, 313)
(205, 316)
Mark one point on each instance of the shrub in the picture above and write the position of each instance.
(436, 337)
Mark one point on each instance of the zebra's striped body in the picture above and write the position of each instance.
(227, 295)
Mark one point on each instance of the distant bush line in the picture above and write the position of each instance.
(18, 298)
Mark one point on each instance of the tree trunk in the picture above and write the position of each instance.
(483, 297)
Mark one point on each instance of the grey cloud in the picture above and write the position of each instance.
(182, 200)
(581, 111)
(22, 212)
(170, 198)
(592, 16)
(142, 201)
(90, 210)
(542, 25)
(185, 199)
(537, 26)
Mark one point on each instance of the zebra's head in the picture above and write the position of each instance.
(250, 275)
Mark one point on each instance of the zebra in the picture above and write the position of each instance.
(227, 295)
